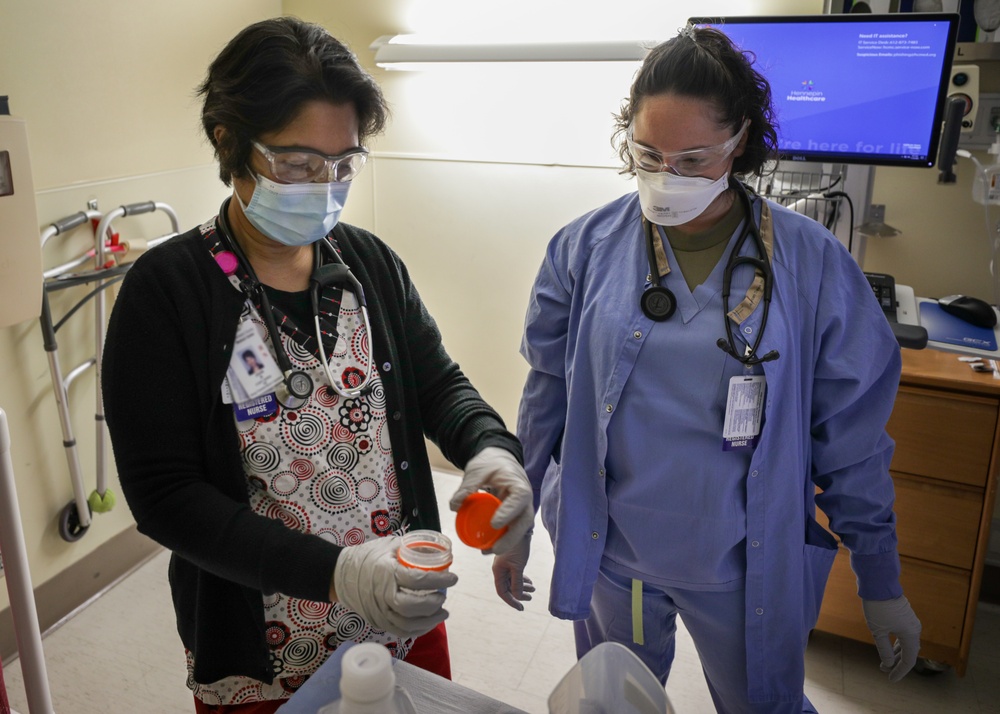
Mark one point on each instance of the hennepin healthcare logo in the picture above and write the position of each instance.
(808, 93)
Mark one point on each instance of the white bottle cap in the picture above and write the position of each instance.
(366, 673)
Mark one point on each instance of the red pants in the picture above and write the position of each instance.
(429, 652)
(4, 706)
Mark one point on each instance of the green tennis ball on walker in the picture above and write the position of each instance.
(101, 504)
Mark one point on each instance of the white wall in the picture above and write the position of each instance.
(482, 165)
(107, 89)
(468, 184)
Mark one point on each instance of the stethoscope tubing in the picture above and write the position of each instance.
(658, 293)
(761, 264)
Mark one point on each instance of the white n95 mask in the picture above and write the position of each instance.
(671, 200)
(295, 213)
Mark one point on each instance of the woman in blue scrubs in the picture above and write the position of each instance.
(678, 478)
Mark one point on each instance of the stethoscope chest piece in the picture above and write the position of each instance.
(299, 384)
(658, 303)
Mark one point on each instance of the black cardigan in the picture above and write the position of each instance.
(177, 452)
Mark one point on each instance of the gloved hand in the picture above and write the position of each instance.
(512, 585)
(389, 596)
(497, 471)
(896, 616)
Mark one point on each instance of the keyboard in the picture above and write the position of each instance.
(884, 287)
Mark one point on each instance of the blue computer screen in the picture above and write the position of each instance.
(863, 89)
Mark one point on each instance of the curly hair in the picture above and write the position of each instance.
(703, 63)
(263, 76)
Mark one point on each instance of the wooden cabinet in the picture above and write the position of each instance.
(945, 424)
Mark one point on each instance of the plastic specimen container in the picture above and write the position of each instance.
(425, 550)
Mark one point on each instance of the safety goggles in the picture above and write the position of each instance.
(693, 162)
(306, 165)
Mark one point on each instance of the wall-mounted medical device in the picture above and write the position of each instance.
(20, 249)
(964, 84)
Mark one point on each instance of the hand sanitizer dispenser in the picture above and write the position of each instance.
(20, 244)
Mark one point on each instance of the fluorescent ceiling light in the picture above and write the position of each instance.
(402, 51)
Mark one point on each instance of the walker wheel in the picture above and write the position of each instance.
(69, 523)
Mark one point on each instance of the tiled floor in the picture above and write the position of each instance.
(122, 655)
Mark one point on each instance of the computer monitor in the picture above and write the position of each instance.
(852, 88)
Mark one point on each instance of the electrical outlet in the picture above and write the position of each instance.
(993, 120)
(987, 120)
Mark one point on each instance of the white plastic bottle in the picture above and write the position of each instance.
(368, 684)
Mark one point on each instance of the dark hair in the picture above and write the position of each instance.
(261, 79)
(704, 64)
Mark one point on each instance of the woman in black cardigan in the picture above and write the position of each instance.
(282, 494)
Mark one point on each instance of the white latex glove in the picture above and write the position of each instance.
(895, 616)
(389, 596)
(512, 585)
(496, 470)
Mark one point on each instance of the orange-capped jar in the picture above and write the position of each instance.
(425, 550)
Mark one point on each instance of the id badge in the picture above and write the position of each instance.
(744, 411)
(256, 408)
(252, 370)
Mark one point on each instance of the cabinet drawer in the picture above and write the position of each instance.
(936, 522)
(943, 437)
(938, 596)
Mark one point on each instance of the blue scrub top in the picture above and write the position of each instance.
(676, 500)
(829, 395)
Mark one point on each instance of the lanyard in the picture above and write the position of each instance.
(298, 383)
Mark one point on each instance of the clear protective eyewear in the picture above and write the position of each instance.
(294, 165)
(692, 162)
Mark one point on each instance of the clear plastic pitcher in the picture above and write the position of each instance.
(610, 679)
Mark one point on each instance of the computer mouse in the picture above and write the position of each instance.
(973, 310)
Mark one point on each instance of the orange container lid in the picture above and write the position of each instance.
(473, 520)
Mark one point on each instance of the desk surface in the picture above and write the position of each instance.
(934, 368)
(430, 693)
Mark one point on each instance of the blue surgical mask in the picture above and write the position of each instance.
(295, 213)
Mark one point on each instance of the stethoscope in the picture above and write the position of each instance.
(298, 382)
(658, 302)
